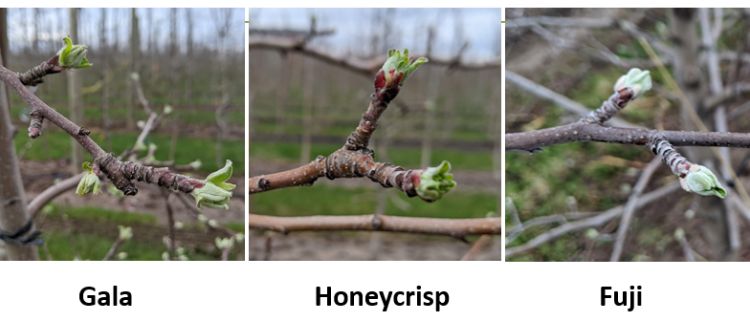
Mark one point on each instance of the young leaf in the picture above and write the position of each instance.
(435, 182)
(216, 191)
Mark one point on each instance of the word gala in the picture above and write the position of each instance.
(89, 296)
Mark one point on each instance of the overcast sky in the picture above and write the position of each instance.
(481, 27)
(53, 26)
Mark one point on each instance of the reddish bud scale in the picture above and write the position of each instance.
(379, 80)
(416, 178)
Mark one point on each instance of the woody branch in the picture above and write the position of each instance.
(355, 159)
(213, 192)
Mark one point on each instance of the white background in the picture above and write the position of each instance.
(285, 290)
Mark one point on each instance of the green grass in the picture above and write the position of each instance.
(327, 200)
(69, 245)
(54, 145)
(94, 214)
(406, 157)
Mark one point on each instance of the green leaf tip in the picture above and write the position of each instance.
(639, 81)
(216, 191)
(89, 183)
(435, 182)
(73, 56)
(702, 181)
(398, 66)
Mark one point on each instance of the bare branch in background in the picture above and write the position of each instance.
(590, 222)
(627, 216)
(420, 225)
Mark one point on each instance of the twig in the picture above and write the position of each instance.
(113, 249)
(170, 223)
(361, 66)
(640, 185)
(51, 193)
(353, 159)
(589, 222)
(120, 173)
(585, 132)
(477, 247)
(421, 225)
(562, 101)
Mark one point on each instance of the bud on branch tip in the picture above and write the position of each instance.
(73, 56)
(639, 81)
(89, 182)
(216, 191)
(702, 181)
(435, 182)
(397, 68)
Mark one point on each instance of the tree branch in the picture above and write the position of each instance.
(361, 66)
(562, 101)
(589, 222)
(590, 132)
(51, 193)
(120, 173)
(421, 225)
(354, 159)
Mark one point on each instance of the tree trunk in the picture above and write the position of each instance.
(74, 94)
(13, 213)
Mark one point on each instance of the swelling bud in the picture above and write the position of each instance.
(702, 181)
(639, 81)
(435, 182)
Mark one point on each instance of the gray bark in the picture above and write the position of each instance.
(13, 213)
(74, 94)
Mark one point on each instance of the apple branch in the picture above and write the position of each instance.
(213, 192)
(354, 159)
(693, 177)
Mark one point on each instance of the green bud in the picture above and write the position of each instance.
(122, 256)
(89, 182)
(167, 110)
(239, 237)
(216, 191)
(73, 56)
(435, 182)
(637, 80)
(702, 181)
(397, 66)
(126, 232)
